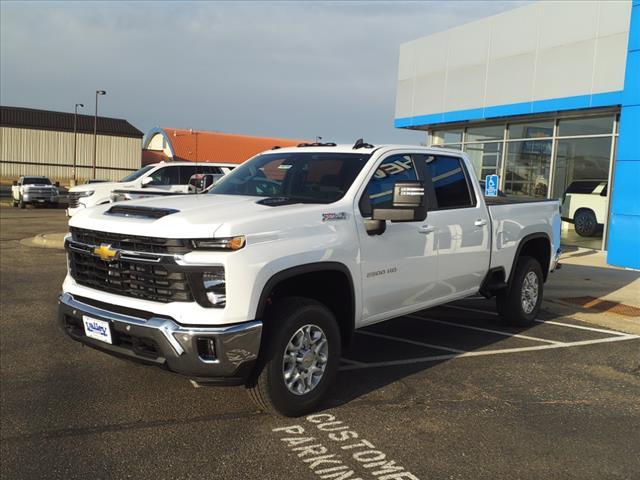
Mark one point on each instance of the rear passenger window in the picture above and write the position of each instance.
(379, 193)
(450, 183)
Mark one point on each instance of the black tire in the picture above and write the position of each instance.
(267, 387)
(585, 223)
(21, 203)
(510, 301)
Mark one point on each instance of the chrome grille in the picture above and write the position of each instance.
(134, 243)
(74, 199)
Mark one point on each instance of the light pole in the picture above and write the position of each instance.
(95, 130)
(75, 139)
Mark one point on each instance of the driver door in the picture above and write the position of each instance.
(398, 267)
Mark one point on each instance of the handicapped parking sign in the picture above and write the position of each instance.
(491, 186)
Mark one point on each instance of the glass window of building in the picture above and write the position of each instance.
(531, 129)
(570, 127)
(485, 157)
(480, 134)
(443, 137)
(580, 159)
(527, 170)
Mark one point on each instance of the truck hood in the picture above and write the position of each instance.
(98, 187)
(189, 216)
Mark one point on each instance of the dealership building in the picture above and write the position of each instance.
(547, 97)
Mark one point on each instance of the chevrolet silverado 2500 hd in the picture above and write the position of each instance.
(164, 178)
(263, 280)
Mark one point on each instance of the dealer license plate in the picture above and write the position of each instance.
(98, 329)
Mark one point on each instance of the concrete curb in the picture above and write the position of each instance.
(45, 240)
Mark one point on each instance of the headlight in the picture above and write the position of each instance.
(87, 193)
(209, 287)
(227, 243)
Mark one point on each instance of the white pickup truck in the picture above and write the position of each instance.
(263, 280)
(33, 190)
(164, 178)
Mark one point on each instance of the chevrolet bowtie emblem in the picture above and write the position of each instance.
(105, 252)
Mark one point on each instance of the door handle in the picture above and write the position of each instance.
(426, 229)
(480, 223)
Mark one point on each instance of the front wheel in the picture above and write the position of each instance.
(520, 302)
(301, 352)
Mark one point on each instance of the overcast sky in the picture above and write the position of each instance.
(288, 69)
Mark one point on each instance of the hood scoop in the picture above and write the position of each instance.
(140, 212)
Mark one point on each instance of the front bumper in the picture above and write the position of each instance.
(160, 341)
(39, 198)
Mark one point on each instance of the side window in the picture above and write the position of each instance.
(379, 192)
(209, 169)
(450, 183)
(186, 172)
(166, 176)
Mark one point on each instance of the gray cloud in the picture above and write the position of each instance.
(291, 69)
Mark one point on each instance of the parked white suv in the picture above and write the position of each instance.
(157, 179)
(263, 280)
(584, 204)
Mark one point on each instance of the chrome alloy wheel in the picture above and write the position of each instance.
(305, 359)
(529, 293)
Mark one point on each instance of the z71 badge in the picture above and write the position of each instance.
(329, 217)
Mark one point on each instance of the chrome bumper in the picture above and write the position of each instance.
(165, 343)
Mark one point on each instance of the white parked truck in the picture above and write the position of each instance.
(584, 204)
(263, 280)
(33, 190)
(164, 178)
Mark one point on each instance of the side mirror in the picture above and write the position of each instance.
(409, 204)
(58, 184)
(200, 182)
(146, 181)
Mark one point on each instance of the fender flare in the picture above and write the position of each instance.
(304, 269)
(522, 243)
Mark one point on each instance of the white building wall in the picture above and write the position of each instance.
(541, 51)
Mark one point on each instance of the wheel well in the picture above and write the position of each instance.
(538, 248)
(584, 209)
(332, 288)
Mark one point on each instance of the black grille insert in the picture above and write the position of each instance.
(139, 279)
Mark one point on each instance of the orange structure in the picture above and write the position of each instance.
(177, 144)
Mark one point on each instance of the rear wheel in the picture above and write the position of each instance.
(299, 360)
(585, 223)
(520, 302)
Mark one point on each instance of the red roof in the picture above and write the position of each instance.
(152, 156)
(201, 146)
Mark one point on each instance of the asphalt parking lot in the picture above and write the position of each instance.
(446, 393)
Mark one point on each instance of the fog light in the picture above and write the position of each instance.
(206, 348)
(215, 288)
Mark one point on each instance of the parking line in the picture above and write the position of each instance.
(580, 327)
(452, 356)
(470, 309)
(488, 330)
(412, 342)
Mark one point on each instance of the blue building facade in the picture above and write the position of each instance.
(546, 96)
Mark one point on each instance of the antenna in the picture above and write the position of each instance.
(360, 143)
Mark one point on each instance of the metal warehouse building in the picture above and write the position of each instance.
(547, 97)
(41, 142)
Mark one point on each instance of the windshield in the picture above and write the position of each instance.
(137, 173)
(36, 181)
(300, 176)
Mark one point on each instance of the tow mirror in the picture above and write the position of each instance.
(200, 182)
(146, 181)
(58, 184)
(408, 205)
